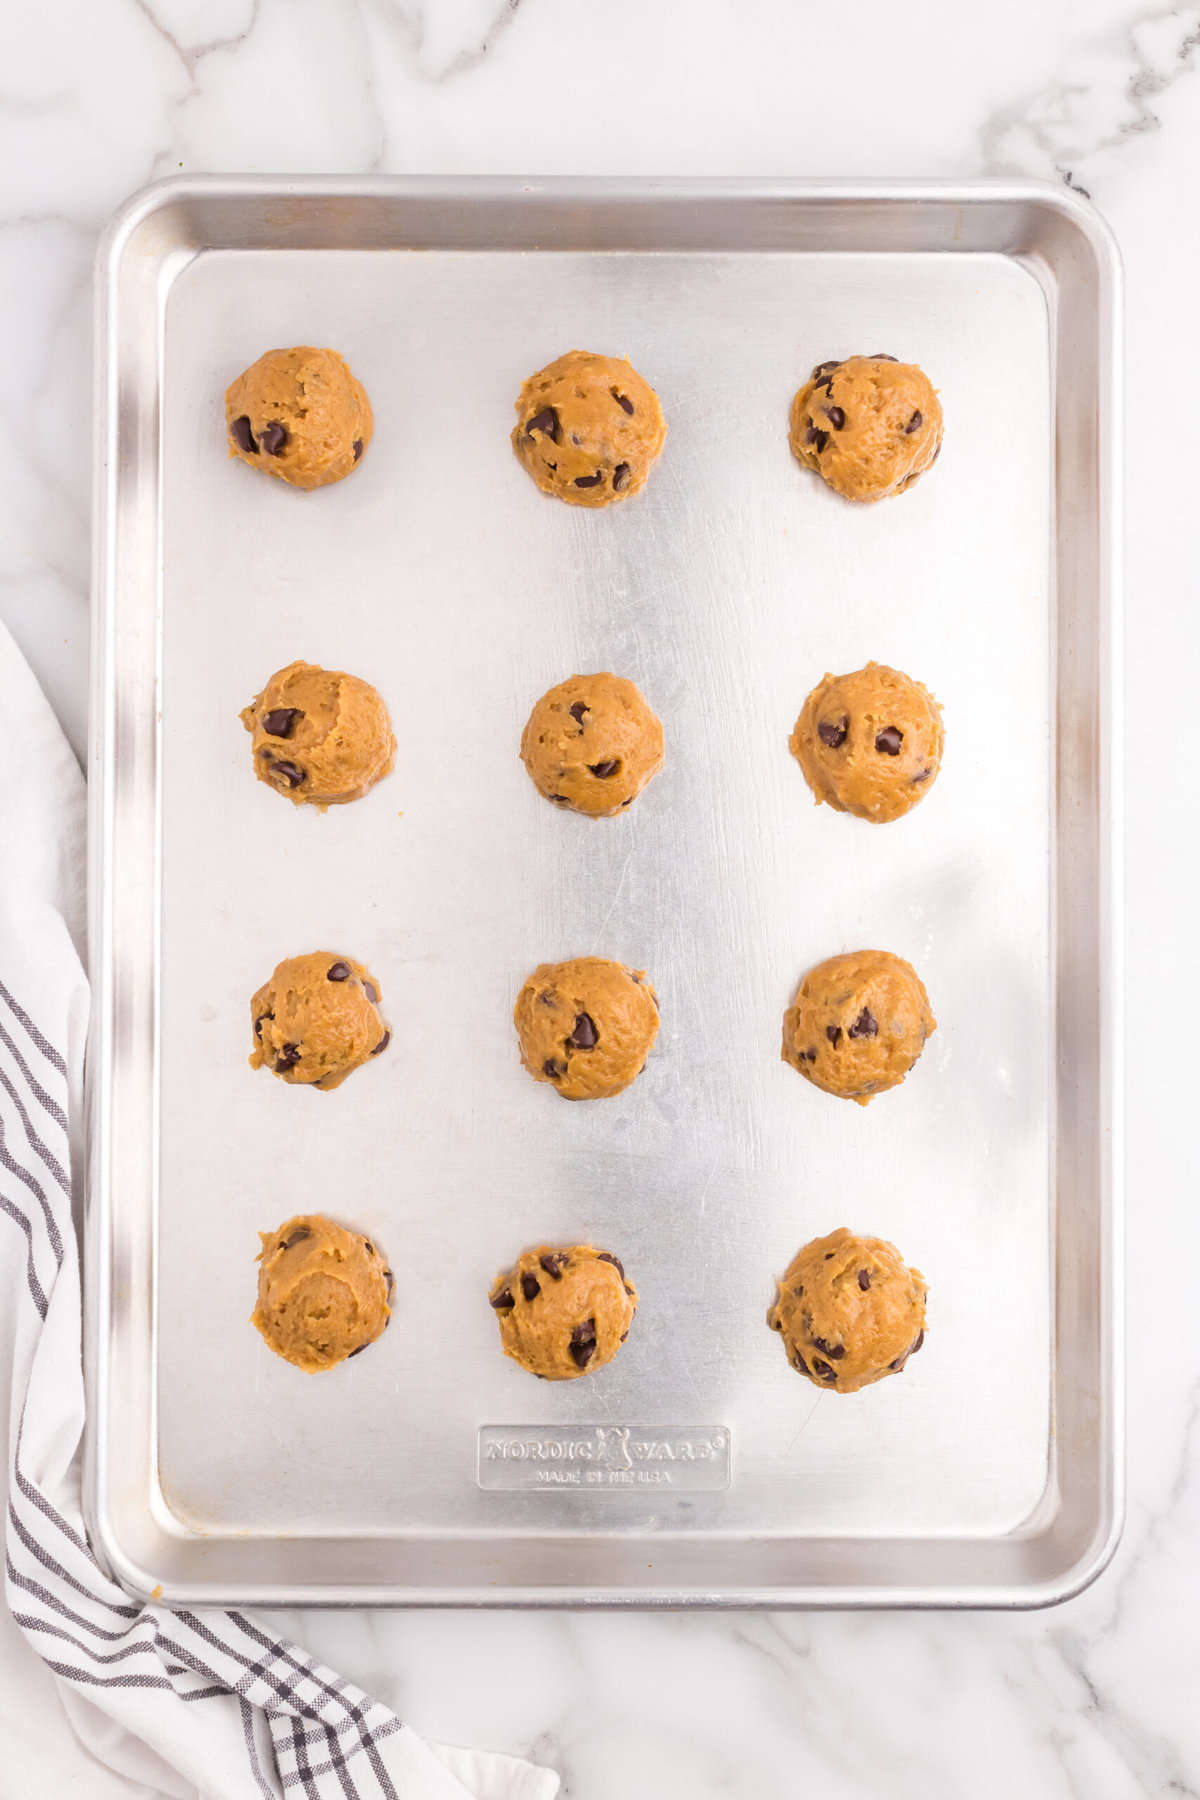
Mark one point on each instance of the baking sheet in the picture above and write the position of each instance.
(726, 590)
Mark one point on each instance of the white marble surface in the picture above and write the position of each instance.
(1095, 1699)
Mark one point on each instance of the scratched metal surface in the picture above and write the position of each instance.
(725, 591)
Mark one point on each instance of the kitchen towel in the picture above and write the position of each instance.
(182, 1703)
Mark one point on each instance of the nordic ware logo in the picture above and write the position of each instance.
(604, 1457)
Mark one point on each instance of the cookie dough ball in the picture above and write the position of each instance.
(586, 1025)
(592, 744)
(323, 1292)
(869, 743)
(320, 736)
(858, 1024)
(299, 414)
(564, 1312)
(317, 1020)
(869, 426)
(589, 429)
(850, 1311)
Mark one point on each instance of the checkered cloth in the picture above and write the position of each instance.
(179, 1703)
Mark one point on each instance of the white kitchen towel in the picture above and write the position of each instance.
(178, 1703)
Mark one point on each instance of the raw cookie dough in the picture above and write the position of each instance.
(869, 743)
(589, 429)
(851, 1311)
(323, 1292)
(592, 744)
(317, 1020)
(586, 1025)
(320, 736)
(857, 1024)
(299, 414)
(564, 1312)
(870, 426)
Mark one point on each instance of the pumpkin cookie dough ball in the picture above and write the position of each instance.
(320, 736)
(299, 414)
(317, 1020)
(323, 1292)
(589, 429)
(586, 1025)
(858, 1024)
(869, 743)
(850, 1311)
(869, 426)
(564, 1313)
(592, 744)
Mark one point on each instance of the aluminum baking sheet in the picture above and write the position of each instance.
(697, 1468)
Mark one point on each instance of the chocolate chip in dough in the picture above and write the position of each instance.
(288, 1057)
(819, 438)
(372, 992)
(823, 1370)
(547, 422)
(554, 1262)
(288, 772)
(338, 971)
(921, 775)
(258, 1024)
(501, 1301)
(914, 424)
(835, 1352)
(282, 721)
(531, 1287)
(382, 1045)
(889, 740)
(882, 356)
(834, 1033)
(583, 1343)
(864, 1026)
(864, 1279)
(608, 1257)
(822, 368)
(589, 481)
(273, 437)
(604, 770)
(243, 437)
(584, 1036)
(621, 476)
(625, 403)
(836, 416)
(553, 1068)
(296, 1237)
(832, 732)
(357, 447)
(577, 711)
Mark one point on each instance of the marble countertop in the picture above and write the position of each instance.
(98, 97)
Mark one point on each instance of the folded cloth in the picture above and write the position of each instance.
(177, 1703)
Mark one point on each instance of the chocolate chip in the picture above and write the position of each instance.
(603, 770)
(554, 1262)
(357, 447)
(297, 1237)
(282, 722)
(623, 401)
(577, 711)
(289, 772)
(882, 356)
(809, 1055)
(359, 1351)
(258, 1024)
(338, 971)
(553, 1068)
(798, 1361)
(531, 1287)
(273, 437)
(583, 1343)
(864, 1279)
(825, 382)
(546, 421)
(624, 1335)
(915, 423)
(834, 1351)
(549, 996)
(502, 1300)
(382, 1045)
(897, 1365)
(628, 802)
(823, 1370)
(608, 1257)
(584, 1036)
(243, 437)
(832, 732)
(371, 991)
(836, 417)
(391, 1283)
(819, 438)
(889, 740)
(863, 1026)
(561, 799)
(822, 367)
(922, 775)
(621, 476)
(288, 1057)
(834, 1033)
(368, 1246)
(589, 481)
(917, 1342)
